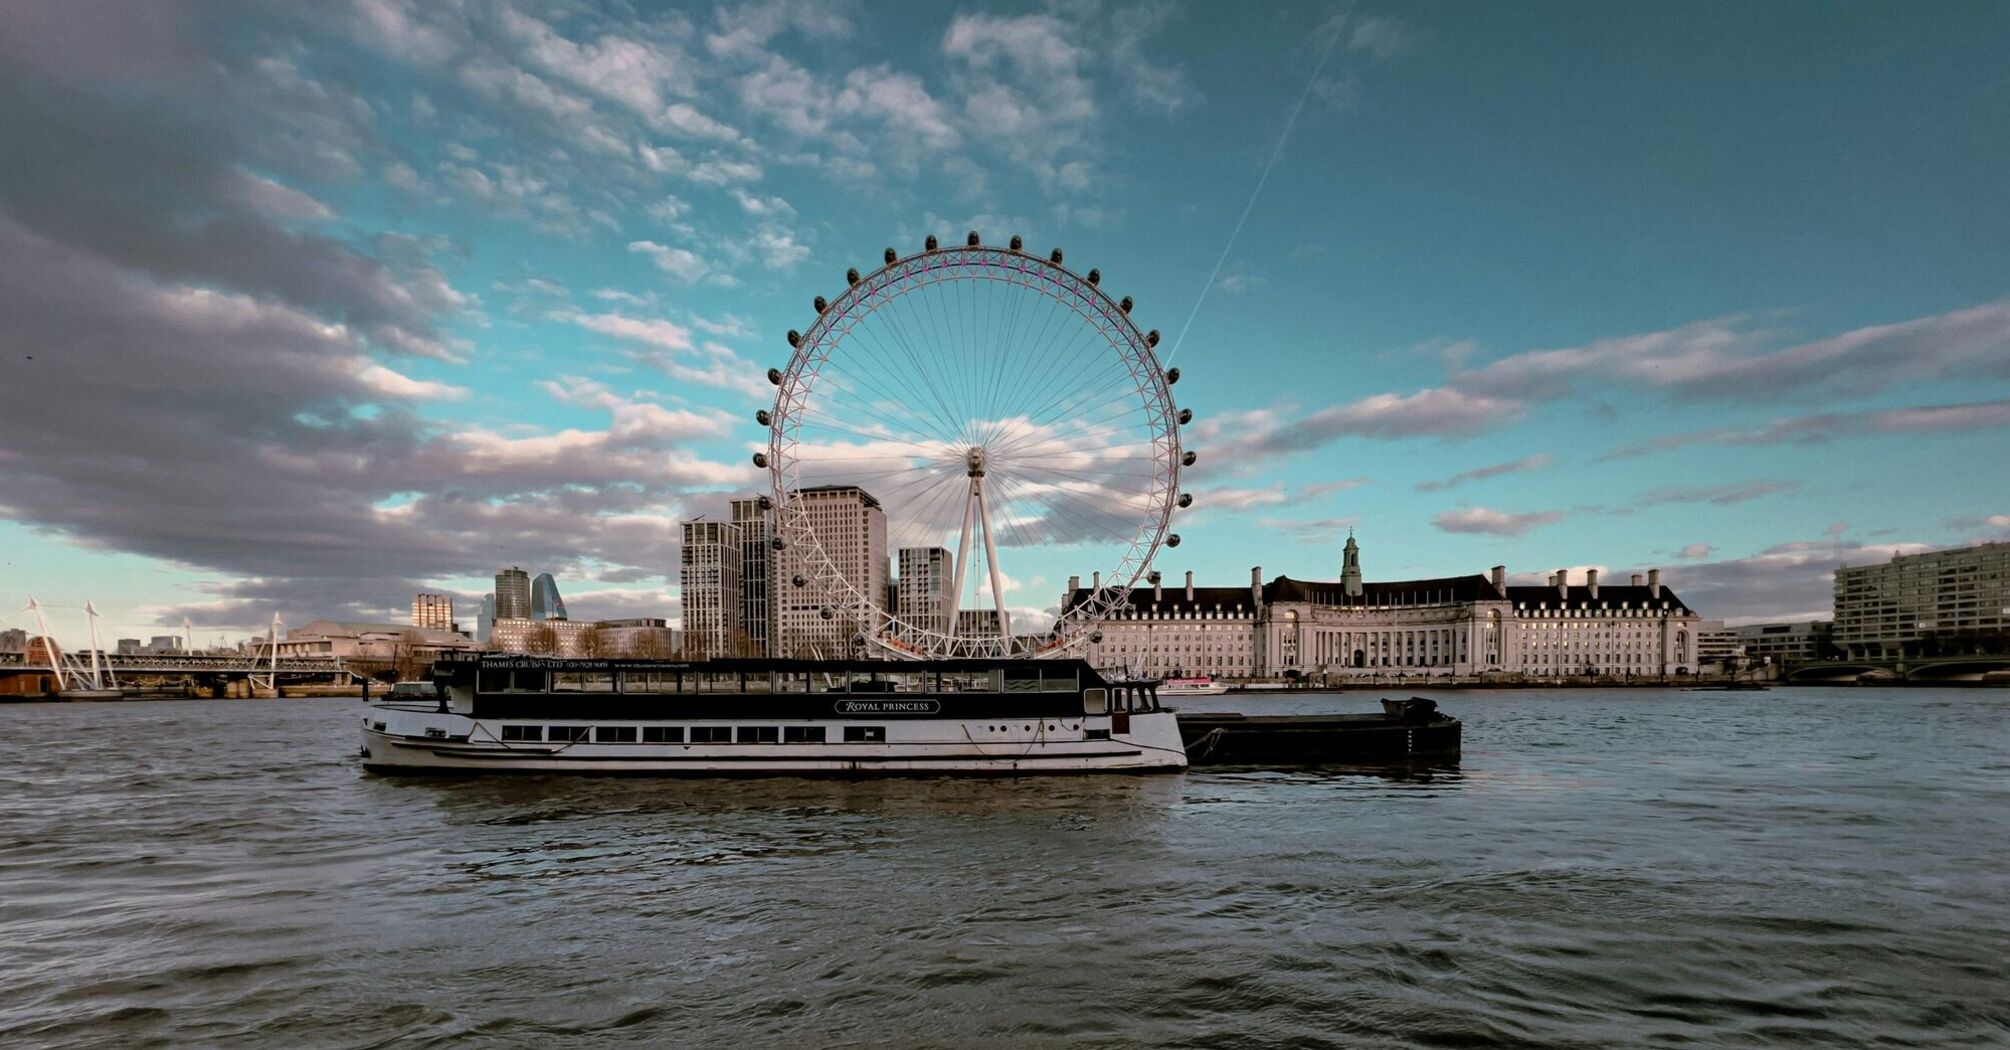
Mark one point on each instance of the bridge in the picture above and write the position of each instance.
(1973, 669)
(210, 674)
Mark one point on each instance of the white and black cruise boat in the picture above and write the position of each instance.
(501, 713)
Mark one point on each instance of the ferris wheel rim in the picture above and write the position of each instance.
(814, 348)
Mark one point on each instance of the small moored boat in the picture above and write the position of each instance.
(1197, 685)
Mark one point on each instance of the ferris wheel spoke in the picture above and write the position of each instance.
(898, 429)
(821, 424)
(1089, 380)
(1075, 372)
(935, 401)
(1083, 523)
(1058, 432)
(1053, 354)
(1005, 360)
(927, 402)
(936, 344)
(889, 400)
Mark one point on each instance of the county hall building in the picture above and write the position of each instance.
(1455, 625)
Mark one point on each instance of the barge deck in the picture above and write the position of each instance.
(1406, 731)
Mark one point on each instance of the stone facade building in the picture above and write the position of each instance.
(1463, 625)
(850, 528)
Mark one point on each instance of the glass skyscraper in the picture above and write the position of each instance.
(545, 604)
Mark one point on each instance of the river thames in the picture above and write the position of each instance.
(1803, 867)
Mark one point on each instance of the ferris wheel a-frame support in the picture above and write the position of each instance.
(975, 502)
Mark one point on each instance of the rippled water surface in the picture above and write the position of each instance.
(1792, 868)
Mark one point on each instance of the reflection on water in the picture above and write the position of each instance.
(1800, 867)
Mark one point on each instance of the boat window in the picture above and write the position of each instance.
(614, 735)
(759, 682)
(802, 734)
(973, 681)
(505, 680)
(565, 734)
(662, 734)
(582, 681)
(1040, 680)
(1095, 701)
(523, 732)
(757, 734)
(865, 734)
(792, 682)
(565, 682)
(1095, 734)
(711, 734)
(664, 682)
(717, 681)
(909, 681)
(636, 682)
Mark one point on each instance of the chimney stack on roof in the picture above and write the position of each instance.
(1256, 586)
(1654, 583)
(1639, 580)
(1158, 592)
(1501, 580)
(1562, 581)
(1096, 581)
(1074, 584)
(1189, 585)
(1591, 581)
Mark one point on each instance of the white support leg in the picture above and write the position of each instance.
(991, 559)
(962, 558)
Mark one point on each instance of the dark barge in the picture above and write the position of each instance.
(1407, 731)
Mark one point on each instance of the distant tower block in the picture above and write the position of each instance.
(512, 594)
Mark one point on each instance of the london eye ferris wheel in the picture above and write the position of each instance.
(991, 401)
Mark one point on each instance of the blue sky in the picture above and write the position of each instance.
(307, 307)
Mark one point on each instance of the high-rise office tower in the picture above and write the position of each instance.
(709, 580)
(757, 574)
(924, 587)
(435, 611)
(545, 604)
(850, 528)
(485, 626)
(512, 594)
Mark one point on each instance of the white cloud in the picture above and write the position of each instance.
(656, 332)
(681, 263)
(395, 384)
(1490, 522)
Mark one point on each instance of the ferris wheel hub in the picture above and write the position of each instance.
(974, 460)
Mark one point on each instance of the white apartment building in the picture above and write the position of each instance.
(709, 578)
(565, 638)
(922, 588)
(1938, 603)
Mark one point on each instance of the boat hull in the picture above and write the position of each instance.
(1150, 744)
